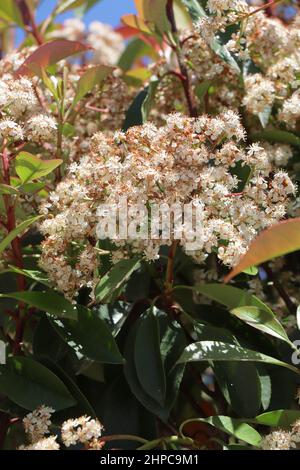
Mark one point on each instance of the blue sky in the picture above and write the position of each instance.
(107, 11)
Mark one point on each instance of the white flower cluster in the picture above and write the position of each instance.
(108, 44)
(282, 439)
(290, 112)
(18, 102)
(41, 128)
(37, 423)
(260, 93)
(271, 47)
(220, 7)
(47, 443)
(187, 160)
(83, 430)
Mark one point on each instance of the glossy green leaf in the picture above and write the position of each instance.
(240, 385)
(231, 297)
(265, 386)
(172, 344)
(278, 418)
(29, 384)
(261, 320)
(148, 361)
(47, 301)
(139, 109)
(90, 336)
(219, 351)
(36, 276)
(231, 426)
(110, 284)
(21, 228)
(29, 167)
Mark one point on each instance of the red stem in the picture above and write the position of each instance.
(21, 283)
(29, 21)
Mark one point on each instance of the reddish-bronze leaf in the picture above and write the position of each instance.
(277, 240)
(48, 54)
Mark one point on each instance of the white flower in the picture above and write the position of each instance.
(277, 440)
(37, 423)
(260, 93)
(48, 443)
(41, 128)
(10, 130)
(108, 44)
(83, 430)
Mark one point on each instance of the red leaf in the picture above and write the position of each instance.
(48, 54)
(276, 240)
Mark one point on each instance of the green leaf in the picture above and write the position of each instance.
(278, 418)
(225, 55)
(29, 167)
(202, 88)
(265, 385)
(29, 384)
(37, 276)
(90, 336)
(172, 344)
(68, 130)
(219, 351)
(88, 4)
(277, 240)
(195, 9)
(155, 12)
(231, 297)
(66, 5)
(148, 361)
(92, 77)
(139, 109)
(276, 135)
(197, 12)
(261, 320)
(231, 426)
(240, 385)
(135, 49)
(133, 381)
(251, 271)
(81, 399)
(6, 189)
(10, 12)
(17, 231)
(109, 285)
(31, 187)
(148, 101)
(47, 301)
